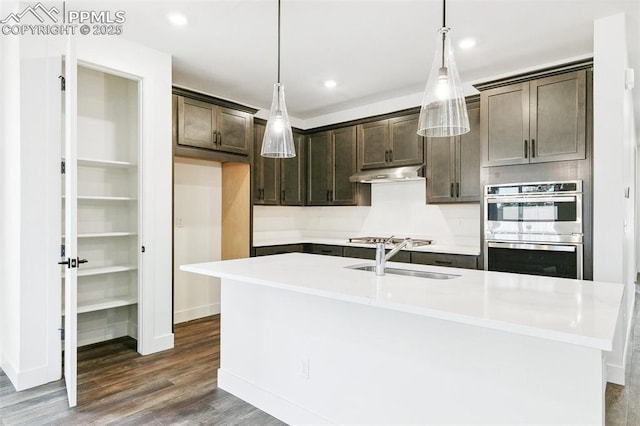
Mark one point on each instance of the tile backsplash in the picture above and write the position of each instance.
(397, 208)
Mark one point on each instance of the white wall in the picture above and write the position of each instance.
(196, 236)
(396, 208)
(613, 171)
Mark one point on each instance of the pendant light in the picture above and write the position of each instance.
(278, 137)
(444, 110)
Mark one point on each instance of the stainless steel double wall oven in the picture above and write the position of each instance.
(534, 228)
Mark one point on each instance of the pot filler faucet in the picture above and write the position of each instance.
(382, 257)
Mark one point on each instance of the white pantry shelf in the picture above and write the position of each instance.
(91, 162)
(105, 303)
(106, 234)
(85, 272)
(104, 198)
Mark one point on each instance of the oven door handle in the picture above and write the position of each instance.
(527, 246)
(547, 199)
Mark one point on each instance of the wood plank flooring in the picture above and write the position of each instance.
(118, 386)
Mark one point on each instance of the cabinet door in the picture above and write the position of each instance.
(196, 123)
(266, 178)
(440, 170)
(318, 169)
(505, 125)
(292, 175)
(406, 146)
(373, 145)
(344, 166)
(558, 117)
(234, 130)
(468, 158)
(444, 259)
(271, 250)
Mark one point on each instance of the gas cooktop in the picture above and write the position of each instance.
(391, 242)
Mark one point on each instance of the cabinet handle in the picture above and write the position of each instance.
(451, 191)
(219, 137)
(386, 156)
(443, 262)
(457, 189)
(215, 137)
(526, 149)
(258, 193)
(328, 192)
(533, 148)
(390, 155)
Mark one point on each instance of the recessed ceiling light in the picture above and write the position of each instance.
(467, 43)
(330, 84)
(177, 19)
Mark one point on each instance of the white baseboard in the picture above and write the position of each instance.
(195, 313)
(27, 379)
(268, 402)
(617, 373)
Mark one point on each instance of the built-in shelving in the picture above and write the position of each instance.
(107, 215)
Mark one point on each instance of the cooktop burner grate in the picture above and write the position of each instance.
(391, 242)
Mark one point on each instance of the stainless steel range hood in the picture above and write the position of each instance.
(391, 174)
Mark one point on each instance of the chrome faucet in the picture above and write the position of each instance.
(382, 256)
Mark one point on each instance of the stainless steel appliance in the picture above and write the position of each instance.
(534, 228)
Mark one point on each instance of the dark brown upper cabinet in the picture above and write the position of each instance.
(392, 142)
(535, 121)
(453, 164)
(266, 172)
(292, 175)
(213, 127)
(331, 161)
(278, 181)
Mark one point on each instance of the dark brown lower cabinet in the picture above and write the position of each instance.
(404, 256)
(286, 248)
(445, 259)
(325, 249)
(370, 254)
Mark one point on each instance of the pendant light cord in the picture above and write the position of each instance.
(444, 25)
(444, 13)
(278, 41)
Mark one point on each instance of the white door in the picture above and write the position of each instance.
(70, 225)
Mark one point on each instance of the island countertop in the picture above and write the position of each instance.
(577, 312)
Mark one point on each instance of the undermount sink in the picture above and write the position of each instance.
(407, 272)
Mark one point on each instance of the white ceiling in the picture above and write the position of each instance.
(376, 50)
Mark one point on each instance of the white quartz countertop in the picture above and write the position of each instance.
(572, 311)
(432, 248)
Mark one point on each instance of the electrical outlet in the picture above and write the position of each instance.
(179, 222)
(304, 367)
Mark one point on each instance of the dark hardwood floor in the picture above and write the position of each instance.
(118, 386)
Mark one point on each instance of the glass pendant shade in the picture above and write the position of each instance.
(278, 137)
(444, 110)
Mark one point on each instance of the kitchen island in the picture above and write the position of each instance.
(309, 340)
